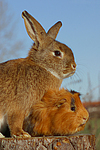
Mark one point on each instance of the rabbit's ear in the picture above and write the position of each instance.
(34, 28)
(53, 31)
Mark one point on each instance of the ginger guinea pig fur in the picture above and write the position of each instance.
(60, 112)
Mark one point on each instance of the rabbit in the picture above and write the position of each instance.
(59, 112)
(24, 81)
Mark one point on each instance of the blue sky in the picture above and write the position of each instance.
(80, 31)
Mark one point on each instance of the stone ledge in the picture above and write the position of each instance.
(74, 142)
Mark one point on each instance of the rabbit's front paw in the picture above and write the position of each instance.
(21, 135)
(1, 135)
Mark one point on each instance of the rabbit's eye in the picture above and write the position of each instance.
(57, 53)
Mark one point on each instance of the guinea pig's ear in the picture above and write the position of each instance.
(73, 92)
(60, 102)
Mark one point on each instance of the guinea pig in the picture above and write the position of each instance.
(59, 112)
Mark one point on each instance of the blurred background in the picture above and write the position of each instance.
(80, 31)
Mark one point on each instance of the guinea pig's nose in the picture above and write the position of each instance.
(73, 66)
(85, 120)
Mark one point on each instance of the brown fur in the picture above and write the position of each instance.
(53, 115)
(23, 82)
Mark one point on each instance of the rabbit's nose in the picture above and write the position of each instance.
(73, 66)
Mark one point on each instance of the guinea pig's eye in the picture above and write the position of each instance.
(73, 108)
(72, 104)
(58, 53)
